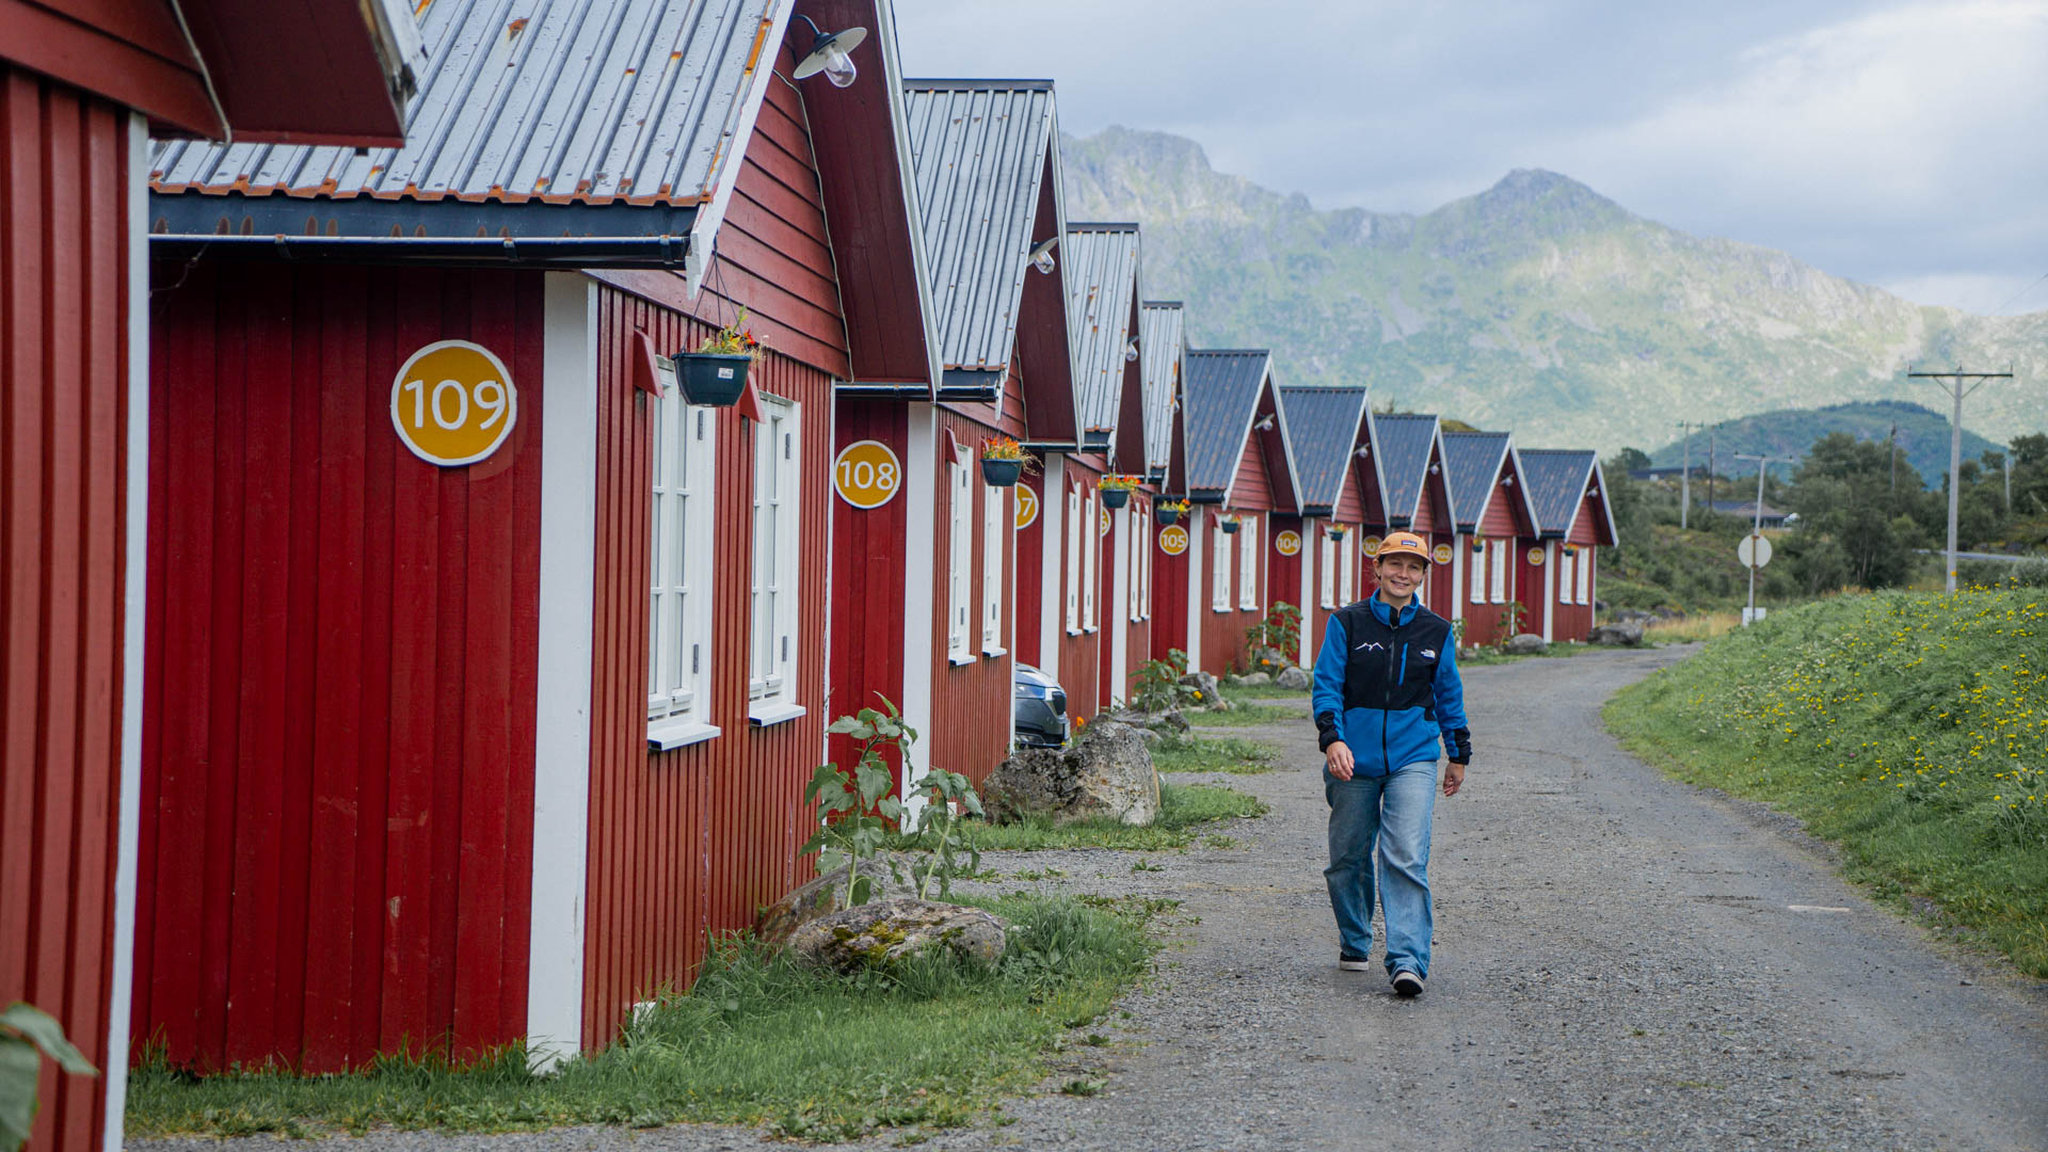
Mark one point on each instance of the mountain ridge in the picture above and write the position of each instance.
(1537, 305)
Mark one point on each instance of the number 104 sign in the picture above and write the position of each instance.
(453, 403)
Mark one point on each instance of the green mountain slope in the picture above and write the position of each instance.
(1922, 437)
(1538, 305)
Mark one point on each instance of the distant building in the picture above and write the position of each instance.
(1746, 510)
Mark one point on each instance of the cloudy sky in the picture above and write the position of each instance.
(1900, 144)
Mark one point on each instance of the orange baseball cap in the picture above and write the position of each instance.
(1404, 544)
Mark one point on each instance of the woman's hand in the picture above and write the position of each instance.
(1338, 757)
(1454, 778)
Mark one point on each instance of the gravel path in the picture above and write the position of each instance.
(1620, 962)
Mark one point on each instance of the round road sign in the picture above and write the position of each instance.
(1754, 551)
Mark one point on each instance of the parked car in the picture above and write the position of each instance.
(1041, 709)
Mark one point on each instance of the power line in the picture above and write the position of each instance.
(2020, 293)
(1955, 445)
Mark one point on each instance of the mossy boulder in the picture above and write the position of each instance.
(887, 932)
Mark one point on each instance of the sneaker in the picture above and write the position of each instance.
(1346, 962)
(1407, 983)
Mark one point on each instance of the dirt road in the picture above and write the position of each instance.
(1620, 962)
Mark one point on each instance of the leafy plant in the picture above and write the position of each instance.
(1121, 480)
(942, 839)
(855, 802)
(1281, 629)
(1179, 508)
(27, 1034)
(735, 339)
(1007, 448)
(1511, 616)
(1156, 686)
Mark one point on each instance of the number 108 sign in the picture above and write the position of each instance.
(453, 403)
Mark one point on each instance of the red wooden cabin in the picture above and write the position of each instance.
(1408, 452)
(1162, 343)
(940, 639)
(81, 87)
(1559, 568)
(1097, 644)
(446, 754)
(1493, 512)
(1340, 498)
(1239, 472)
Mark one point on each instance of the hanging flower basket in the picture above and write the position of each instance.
(1116, 489)
(712, 378)
(1000, 473)
(1337, 534)
(1230, 525)
(1114, 498)
(1165, 513)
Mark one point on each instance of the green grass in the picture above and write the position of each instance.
(759, 1039)
(1912, 729)
(1184, 810)
(1176, 752)
(1246, 714)
(1235, 692)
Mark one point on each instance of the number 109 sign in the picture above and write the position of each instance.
(453, 403)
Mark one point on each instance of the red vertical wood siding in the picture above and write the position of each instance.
(868, 570)
(1283, 572)
(970, 724)
(1529, 577)
(691, 842)
(339, 696)
(1029, 591)
(1137, 633)
(63, 542)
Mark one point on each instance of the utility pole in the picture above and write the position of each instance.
(1756, 530)
(1712, 434)
(1893, 449)
(1685, 473)
(1957, 379)
(2008, 481)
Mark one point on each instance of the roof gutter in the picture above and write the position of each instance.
(477, 251)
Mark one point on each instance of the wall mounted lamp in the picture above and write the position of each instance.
(829, 54)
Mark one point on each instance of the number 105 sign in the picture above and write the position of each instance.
(453, 403)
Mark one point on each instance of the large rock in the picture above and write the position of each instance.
(1207, 694)
(1253, 679)
(883, 932)
(1171, 719)
(1267, 660)
(1108, 773)
(1525, 644)
(1620, 634)
(822, 897)
(1295, 679)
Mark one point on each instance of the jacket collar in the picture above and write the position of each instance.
(1384, 611)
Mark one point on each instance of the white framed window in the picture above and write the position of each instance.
(1091, 559)
(1074, 506)
(1497, 570)
(1476, 558)
(1584, 570)
(1219, 570)
(1250, 559)
(959, 559)
(778, 512)
(994, 507)
(1564, 574)
(681, 572)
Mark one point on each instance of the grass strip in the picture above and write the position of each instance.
(1184, 752)
(758, 1039)
(1246, 714)
(1910, 728)
(1184, 810)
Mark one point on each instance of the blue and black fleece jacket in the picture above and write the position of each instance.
(1388, 687)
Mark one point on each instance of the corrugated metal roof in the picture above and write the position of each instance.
(1163, 346)
(1403, 443)
(1557, 480)
(1222, 393)
(1322, 428)
(979, 148)
(557, 101)
(1472, 462)
(1101, 262)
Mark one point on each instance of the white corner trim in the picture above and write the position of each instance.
(1198, 580)
(921, 481)
(1311, 552)
(1461, 559)
(1052, 567)
(703, 241)
(134, 613)
(561, 754)
(1549, 585)
(1119, 606)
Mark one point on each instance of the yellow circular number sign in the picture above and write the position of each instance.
(1287, 543)
(1535, 556)
(1173, 540)
(1443, 553)
(867, 474)
(1371, 544)
(453, 403)
(1027, 507)
(1102, 521)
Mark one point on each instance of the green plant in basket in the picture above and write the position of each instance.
(1119, 481)
(735, 339)
(855, 802)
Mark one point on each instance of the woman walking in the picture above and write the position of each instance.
(1386, 691)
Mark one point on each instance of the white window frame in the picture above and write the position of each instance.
(1073, 542)
(1583, 570)
(1220, 568)
(1248, 565)
(681, 576)
(959, 560)
(1091, 562)
(1564, 574)
(1476, 556)
(773, 593)
(994, 506)
(1497, 570)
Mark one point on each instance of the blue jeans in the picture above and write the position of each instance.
(1391, 813)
